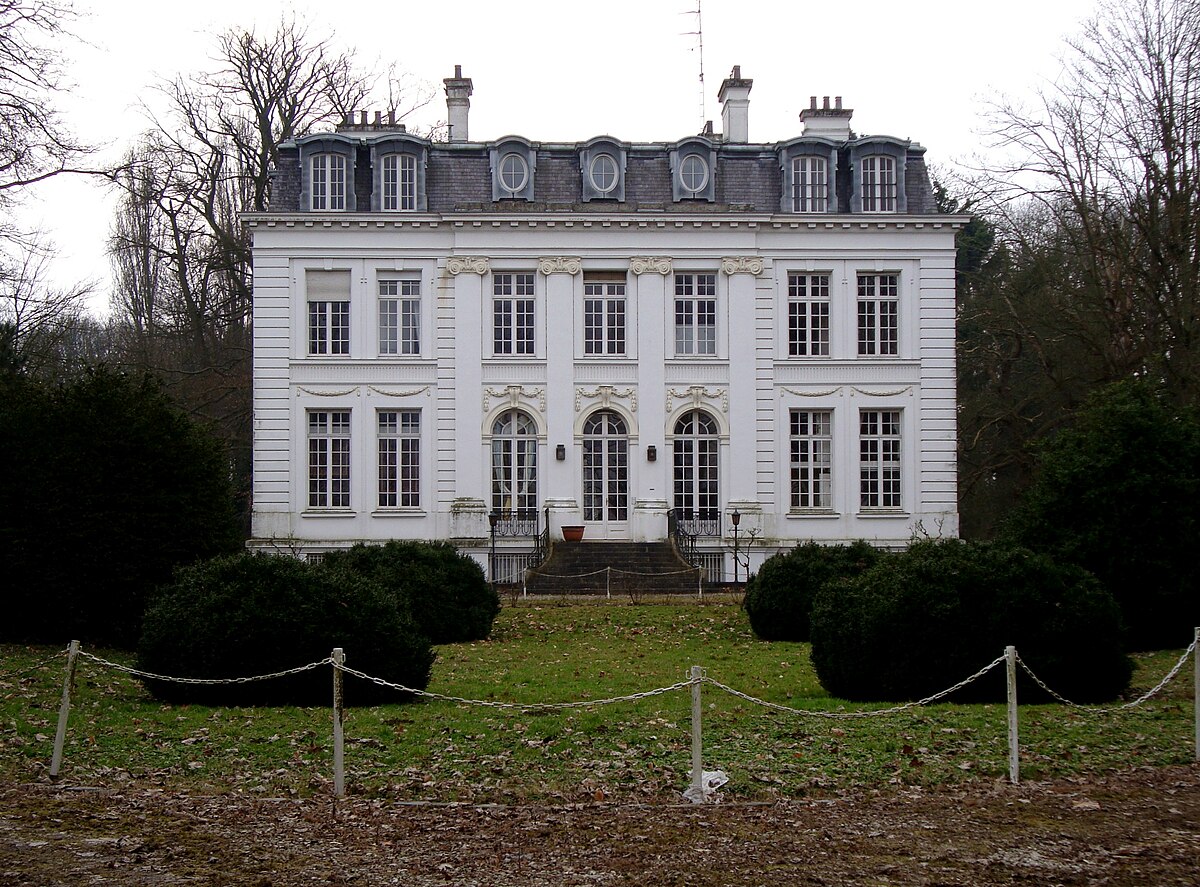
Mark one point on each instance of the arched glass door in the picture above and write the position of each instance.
(514, 465)
(606, 472)
(695, 474)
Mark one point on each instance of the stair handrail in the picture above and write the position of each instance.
(684, 541)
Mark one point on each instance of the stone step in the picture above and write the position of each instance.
(614, 568)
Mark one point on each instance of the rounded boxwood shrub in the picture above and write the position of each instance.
(779, 596)
(444, 590)
(922, 620)
(251, 614)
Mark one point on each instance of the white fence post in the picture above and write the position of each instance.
(64, 710)
(1196, 696)
(1010, 656)
(697, 770)
(339, 761)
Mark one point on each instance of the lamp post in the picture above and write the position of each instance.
(493, 518)
(736, 517)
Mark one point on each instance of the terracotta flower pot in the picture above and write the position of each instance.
(572, 534)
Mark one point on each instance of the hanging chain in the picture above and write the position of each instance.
(207, 681)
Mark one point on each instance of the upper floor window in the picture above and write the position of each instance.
(400, 316)
(603, 173)
(810, 184)
(695, 315)
(512, 314)
(808, 315)
(328, 182)
(693, 173)
(878, 314)
(878, 183)
(328, 294)
(399, 182)
(604, 317)
(514, 173)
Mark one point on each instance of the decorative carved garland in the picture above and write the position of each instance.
(514, 394)
(698, 394)
(605, 395)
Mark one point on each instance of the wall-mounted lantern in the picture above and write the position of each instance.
(560, 452)
(651, 454)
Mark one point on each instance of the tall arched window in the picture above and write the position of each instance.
(697, 496)
(514, 463)
(605, 467)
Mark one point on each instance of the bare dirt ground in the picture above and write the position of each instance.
(1138, 827)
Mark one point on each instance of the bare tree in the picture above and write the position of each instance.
(1110, 155)
(41, 320)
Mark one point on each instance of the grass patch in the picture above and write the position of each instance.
(439, 750)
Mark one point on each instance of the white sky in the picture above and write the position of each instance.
(568, 70)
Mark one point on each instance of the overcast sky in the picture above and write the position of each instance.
(566, 70)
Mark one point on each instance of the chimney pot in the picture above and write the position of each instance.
(392, 117)
(734, 97)
(458, 72)
(825, 103)
(378, 118)
(837, 102)
(737, 72)
(812, 102)
(362, 118)
(458, 104)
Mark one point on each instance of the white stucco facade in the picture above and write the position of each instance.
(707, 405)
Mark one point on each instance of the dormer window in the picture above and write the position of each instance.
(602, 169)
(810, 184)
(693, 162)
(878, 184)
(514, 173)
(328, 182)
(399, 182)
(603, 173)
(514, 165)
(693, 173)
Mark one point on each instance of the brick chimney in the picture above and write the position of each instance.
(458, 104)
(734, 97)
(831, 123)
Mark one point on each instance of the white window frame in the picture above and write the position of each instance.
(808, 314)
(610, 164)
(399, 182)
(880, 460)
(328, 328)
(879, 183)
(398, 434)
(689, 166)
(514, 472)
(696, 468)
(695, 301)
(327, 182)
(605, 318)
(878, 314)
(399, 316)
(329, 447)
(810, 184)
(810, 460)
(512, 162)
(514, 314)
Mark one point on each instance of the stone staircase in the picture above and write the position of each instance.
(618, 569)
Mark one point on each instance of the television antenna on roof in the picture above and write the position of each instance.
(699, 35)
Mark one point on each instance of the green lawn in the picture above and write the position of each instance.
(631, 750)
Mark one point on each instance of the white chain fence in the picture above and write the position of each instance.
(698, 678)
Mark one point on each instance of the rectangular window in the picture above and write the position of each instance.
(695, 315)
(812, 459)
(400, 317)
(328, 182)
(328, 294)
(399, 182)
(810, 185)
(879, 184)
(879, 459)
(878, 314)
(512, 314)
(808, 315)
(603, 317)
(399, 458)
(328, 459)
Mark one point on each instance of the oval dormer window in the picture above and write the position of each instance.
(603, 173)
(514, 173)
(693, 173)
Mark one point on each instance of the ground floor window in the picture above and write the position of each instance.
(329, 459)
(399, 458)
(605, 468)
(879, 459)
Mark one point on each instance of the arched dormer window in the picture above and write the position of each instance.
(878, 170)
(602, 168)
(694, 170)
(398, 173)
(513, 163)
(809, 169)
(327, 174)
